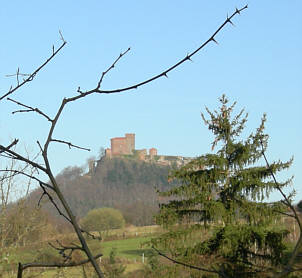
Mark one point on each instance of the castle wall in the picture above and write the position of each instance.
(142, 154)
(153, 152)
(126, 146)
(123, 145)
(108, 153)
(118, 146)
(130, 141)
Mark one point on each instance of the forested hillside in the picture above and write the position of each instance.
(127, 184)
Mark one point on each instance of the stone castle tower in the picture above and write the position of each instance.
(122, 145)
(130, 142)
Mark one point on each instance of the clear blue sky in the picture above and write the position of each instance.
(258, 63)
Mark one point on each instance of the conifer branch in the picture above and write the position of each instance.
(286, 200)
(184, 264)
(289, 267)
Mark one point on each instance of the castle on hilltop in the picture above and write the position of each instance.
(125, 147)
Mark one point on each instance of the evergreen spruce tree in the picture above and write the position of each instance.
(225, 223)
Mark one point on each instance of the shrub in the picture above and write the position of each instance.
(103, 219)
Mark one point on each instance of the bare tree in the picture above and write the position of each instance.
(52, 187)
(9, 192)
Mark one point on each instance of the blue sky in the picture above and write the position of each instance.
(258, 63)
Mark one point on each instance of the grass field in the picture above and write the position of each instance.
(130, 245)
(130, 248)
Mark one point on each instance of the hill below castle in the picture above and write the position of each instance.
(126, 184)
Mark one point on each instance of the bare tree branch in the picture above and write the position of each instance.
(285, 214)
(22, 267)
(29, 109)
(15, 74)
(220, 272)
(17, 156)
(90, 234)
(164, 73)
(32, 75)
(52, 201)
(21, 172)
(106, 71)
(70, 144)
(63, 249)
(15, 142)
(111, 67)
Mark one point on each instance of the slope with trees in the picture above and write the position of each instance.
(126, 184)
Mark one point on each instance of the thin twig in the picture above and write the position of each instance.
(21, 172)
(29, 109)
(70, 144)
(32, 75)
(91, 235)
(61, 37)
(22, 267)
(40, 147)
(106, 71)
(184, 264)
(21, 158)
(7, 156)
(63, 249)
(285, 214)
(111, 67)
(15, 142)
(52, 201)
(15, 74)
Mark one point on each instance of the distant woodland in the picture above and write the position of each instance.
(126, 184)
